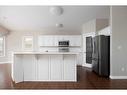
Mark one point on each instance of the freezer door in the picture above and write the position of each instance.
(89, 49)
(95, 58)
(95, 66)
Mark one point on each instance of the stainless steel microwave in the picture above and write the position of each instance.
(64, 43)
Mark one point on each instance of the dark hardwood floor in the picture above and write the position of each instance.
(86, 80)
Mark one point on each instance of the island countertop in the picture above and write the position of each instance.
(50, 52)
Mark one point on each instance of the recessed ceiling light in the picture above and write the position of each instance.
(56, 10)
(59, 25)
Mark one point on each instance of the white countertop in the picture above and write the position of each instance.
(50, 52)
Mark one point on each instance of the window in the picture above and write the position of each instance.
(2, 46)
(27, 43)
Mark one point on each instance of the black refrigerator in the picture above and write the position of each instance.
(89, 49)
(101, 55)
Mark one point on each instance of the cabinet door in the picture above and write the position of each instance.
(46, 41)
(17, 69)
(56, 67)
(49, 41)
(41, 41)
(43, 67)
(70, 67)
(57, 39)
(29, 67)
(75, 41)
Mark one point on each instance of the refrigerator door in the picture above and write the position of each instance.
(89, 49)
(95, 55)
(104, 55)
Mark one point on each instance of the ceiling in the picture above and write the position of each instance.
(39, 18)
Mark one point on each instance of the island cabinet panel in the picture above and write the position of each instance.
(69, 67)
(56, 62)
(29, 67)
(43, 67)
(17, 69)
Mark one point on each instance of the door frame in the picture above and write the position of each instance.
(84, 48)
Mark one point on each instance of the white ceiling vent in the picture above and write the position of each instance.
(56, 10)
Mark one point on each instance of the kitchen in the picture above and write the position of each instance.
(52, 44)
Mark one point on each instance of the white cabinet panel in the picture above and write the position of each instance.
(57, 39)
(69, 67)
(75, 40)
(29, 66)
(56, 62)
(46, 41)
(17, 69)
(43, 67)
(79, 59)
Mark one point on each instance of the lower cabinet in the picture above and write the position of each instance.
(69, 67)
(29, 70)
(56, 62)
(48, 67)
(43, 67)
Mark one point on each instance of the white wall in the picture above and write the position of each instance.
(119, 42)
(14, 41)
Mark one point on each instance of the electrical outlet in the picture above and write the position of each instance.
(122, 69)
(119, 47)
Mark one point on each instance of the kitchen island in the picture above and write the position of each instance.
(44, 66)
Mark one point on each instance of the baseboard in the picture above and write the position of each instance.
(89, 66)
(118, 77)
(6, 62)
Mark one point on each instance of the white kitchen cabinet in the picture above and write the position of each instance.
(52, 40)
(57, 39)
(56, 67)
(69, 67)
(106, 31)
(17, 69)
(75, 41)
(29, 67)
(80, 59)
(42, 67)
(46, 41)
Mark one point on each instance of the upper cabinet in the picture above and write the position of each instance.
(95, 26)
(45, 41)
(53, 40)
(106, 31)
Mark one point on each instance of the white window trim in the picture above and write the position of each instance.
(23, 48)
(3, 47)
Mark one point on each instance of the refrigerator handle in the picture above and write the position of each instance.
(93, 45)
